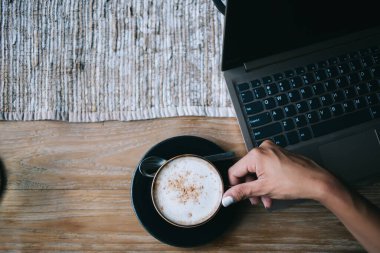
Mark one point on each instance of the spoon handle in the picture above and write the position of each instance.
(220, 157)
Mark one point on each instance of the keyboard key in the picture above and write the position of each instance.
(312, 117)
(290, 110)
(322, 64)
(343, 68)
(348, 106)
(306, 92)
(246, 96)
(243, 86)
(376, 58)
(302, 107)
(332, 61)
(259, 92)
(375, 111)
(300, 120)
(326, 100)
(292, 138)
(267, 79)
(278, 114)
(288, 124)
(367, 61)
(289, 73)
(372, 99)
(336, 109)
(338, 96)
(332, 72)
(278, 76)
(311, 67)
(308, 78)
(364, 52)
(360, 102)
(353, 78)
(318, 88)
(300, 71)
(375, 49)
(260, 119)
(255, 83)
(280, 140)
(324, 113)
(330, 85)
(340, 123)
(365, 75)
(267, 131)
(254, 107)
(376, 71)
(281, 99)
(341, 81)
(304, 133)
(271, 89)
(350, 92)
(294, 95)
(344, 57)
(373, 86)
(354, 55)
(355, 65)
(361, 88)
(314, 103)
(320, 75)
(269, 103)
(296, 82)
(283, 85)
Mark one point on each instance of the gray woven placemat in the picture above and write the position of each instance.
(86, 61)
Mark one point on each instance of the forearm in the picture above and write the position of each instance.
(359, 216)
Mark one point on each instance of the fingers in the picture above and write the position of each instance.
(254, 200)
(243, 167)
(267, 202)
(240, 192)
(242, 172)
(248, 163)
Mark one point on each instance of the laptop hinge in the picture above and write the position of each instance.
(248, 66)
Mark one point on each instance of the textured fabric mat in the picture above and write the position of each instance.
(86, 61)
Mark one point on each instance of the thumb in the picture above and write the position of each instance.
(240, 192)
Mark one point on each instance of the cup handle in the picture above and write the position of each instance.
(220, 157)
(150, 167)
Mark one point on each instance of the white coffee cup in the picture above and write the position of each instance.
(187, 191)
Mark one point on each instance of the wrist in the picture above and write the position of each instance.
(323, 187)
(329, 188)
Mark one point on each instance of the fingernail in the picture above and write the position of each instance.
(253, 201)
(226, 201)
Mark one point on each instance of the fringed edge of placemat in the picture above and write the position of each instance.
(152, 113)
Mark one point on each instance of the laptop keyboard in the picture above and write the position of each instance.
(310, 101)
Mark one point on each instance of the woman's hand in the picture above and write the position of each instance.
(270, 172)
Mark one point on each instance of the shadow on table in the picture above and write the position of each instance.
(3, 180)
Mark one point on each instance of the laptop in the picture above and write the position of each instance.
(307, 76)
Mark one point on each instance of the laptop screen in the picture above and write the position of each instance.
(256, 29)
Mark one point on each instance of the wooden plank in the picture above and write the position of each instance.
(57, 155)
(104, 220)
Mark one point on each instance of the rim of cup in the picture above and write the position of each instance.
(154, 181)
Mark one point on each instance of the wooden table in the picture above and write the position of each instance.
(68, 189)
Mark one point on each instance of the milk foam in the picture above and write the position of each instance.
(188, 191)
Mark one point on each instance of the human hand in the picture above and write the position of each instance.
(271, 172)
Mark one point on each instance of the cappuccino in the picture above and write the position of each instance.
(187, 191)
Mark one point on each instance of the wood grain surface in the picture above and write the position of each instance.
(68, 189)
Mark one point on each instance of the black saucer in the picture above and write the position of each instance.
(151, 220)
